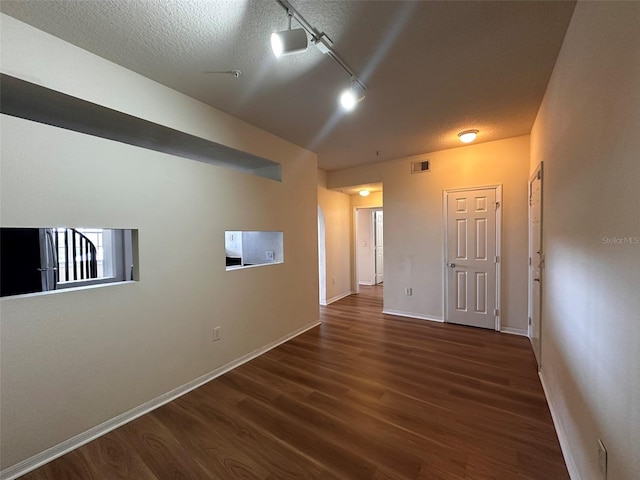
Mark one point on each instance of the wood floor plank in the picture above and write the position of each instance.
(208, 446)
(364, 396)
(277, 457)
(112, 459)
(336, 457)
(73, 465)
(161, 452)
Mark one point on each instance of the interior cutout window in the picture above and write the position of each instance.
(248, 249)
(44, 259)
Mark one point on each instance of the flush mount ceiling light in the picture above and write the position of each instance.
(468, 136)
(350, 98)
(287, 42)
(364, 193)
(291, 41)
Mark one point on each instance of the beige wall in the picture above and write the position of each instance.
(374, 200)
(337, 214)
(586, 133)
(413, 226)
(72, 360)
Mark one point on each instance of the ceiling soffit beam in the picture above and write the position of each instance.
(29, 101)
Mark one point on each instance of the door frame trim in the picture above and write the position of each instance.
(539, 171)
(445, 197)
(375, 245)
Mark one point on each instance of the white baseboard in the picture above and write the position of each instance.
(515, 331)
(56, 451)
(365, 283)
(400, 313)
(337, 297)
(562, 437)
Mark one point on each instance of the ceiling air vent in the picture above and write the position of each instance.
(420, 167)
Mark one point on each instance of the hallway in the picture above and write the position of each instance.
(363, 396)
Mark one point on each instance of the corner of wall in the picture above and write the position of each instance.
(322, 178)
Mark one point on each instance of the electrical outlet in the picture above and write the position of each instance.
(602, 460)
(408, 291)
(216, 334)
(333, 281)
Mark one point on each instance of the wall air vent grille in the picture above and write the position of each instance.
(420, 167)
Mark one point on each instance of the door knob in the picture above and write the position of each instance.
(452, 265)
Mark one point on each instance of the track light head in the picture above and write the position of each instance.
(350, 98)
(287, 42)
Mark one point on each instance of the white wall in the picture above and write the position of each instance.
(413, 228)
(255, 246)
(72, 360)
(337, 213)
(233, 243)
(586, 133)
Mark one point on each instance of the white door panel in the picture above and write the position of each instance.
(471, 257)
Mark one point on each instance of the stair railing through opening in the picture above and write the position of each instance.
(80, 256)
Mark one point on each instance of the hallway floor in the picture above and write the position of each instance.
(363, 396)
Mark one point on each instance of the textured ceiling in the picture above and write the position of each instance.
(431, 69)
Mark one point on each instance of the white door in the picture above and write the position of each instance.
(379, 246)
(536, 259)
(472, 255)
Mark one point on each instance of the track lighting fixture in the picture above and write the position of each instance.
(287, 42)
(468, 136)
(291, 41)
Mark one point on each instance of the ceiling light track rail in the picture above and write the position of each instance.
(320, 40)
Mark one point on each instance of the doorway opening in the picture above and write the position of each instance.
(369, 247)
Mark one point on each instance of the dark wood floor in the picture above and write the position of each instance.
(363, 396)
